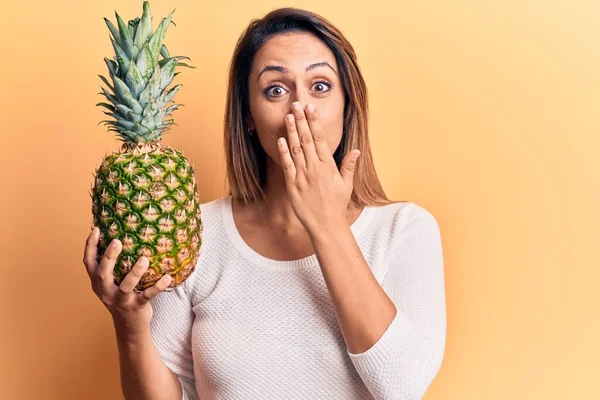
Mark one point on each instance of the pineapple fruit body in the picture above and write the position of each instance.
(146, 196)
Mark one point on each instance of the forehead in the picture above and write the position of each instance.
(291, 49)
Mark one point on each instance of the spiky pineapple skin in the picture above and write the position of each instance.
(146, 196)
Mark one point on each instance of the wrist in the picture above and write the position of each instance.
(328, 229)
(127, 331)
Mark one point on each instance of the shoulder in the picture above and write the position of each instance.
(401, 221)
(413, 215)
(211, 211)
(213, 204)
(402, 214)
(212, 214)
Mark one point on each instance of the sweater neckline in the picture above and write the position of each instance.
(265, 262)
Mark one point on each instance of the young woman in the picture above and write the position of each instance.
(311, 284)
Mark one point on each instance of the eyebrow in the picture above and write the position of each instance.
(285, 71)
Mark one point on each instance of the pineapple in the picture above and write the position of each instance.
(145, 194)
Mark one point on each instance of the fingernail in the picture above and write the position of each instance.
(311, 108)
(143, 261)
(296, 106)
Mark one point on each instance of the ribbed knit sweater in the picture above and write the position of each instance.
(244, 326)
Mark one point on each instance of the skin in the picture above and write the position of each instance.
(131, 311)
(272, 228)
(308, 198)
(307, 207)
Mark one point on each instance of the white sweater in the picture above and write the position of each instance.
(247, 327)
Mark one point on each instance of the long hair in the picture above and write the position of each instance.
(245, 157)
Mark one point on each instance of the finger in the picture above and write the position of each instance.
(159, 287)
(107, 265)
(304, 133)
(91, 251)
(293, 143)
(133, 276)
(289, 170)
(348, 166)
(318, 134)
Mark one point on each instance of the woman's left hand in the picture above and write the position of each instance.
(318, 191)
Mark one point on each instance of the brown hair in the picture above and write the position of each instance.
(246, 160)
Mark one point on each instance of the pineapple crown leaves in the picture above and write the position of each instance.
(138, 98)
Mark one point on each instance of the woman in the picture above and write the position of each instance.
(311, 283)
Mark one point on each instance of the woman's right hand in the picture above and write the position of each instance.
(131, 310)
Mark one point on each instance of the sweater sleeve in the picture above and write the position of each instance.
(171, 329)
(407, 357)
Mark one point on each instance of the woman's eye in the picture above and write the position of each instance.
(274, 91)
(277, 91)
(321, 85)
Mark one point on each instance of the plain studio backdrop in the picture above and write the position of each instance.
(486, 112)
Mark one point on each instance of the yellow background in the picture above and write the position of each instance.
(487, 113)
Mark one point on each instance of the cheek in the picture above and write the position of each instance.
(270, 131)
(270, 119)
(333, 132)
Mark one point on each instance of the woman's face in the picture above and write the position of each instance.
(272, 92)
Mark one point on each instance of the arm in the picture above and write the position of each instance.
(363, 308)
(158, 364)
(395, 333)
(144, 375)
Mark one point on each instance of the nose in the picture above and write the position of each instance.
(302, 98)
